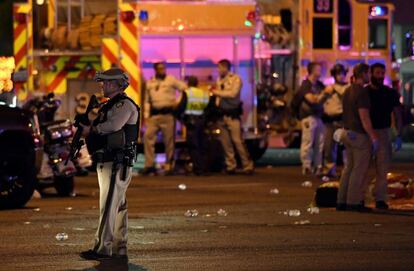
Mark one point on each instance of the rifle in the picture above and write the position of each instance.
(77, 143)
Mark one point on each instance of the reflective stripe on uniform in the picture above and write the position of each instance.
(197, 101)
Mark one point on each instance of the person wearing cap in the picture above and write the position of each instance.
(111, 139)
(360, 140)
(160, 102)
(332, 118)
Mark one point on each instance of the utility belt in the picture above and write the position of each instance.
(121, 158)
(125, 156)
(112, 147)
(162, 111)
(234, 113)
(330, 119)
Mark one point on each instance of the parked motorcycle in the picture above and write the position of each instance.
(56, 137)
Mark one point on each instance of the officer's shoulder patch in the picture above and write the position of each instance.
(119, 104)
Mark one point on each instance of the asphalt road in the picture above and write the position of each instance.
(255, 234)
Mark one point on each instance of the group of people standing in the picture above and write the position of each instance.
(358, 114)
(160, 109)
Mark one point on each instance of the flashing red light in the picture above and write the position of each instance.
(127, 16)
(251, 16)
(21, 18)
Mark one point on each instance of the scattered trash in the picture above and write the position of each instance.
(274, 191)
(292, 212)
(222, 212)
(207, 215)
(27, 223)
(146, 243)
(182, 187)
(68, 208)
(191, 213)
(46, 226)
(36, 209)
(307, 184)
(78, 229)
(354, 241)
(62, 236)
(302, 222)
(222, 227)
(137, 227)
(325, 179)
(204, 231)
(313, 210)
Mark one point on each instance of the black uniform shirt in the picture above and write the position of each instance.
(383, 101)
(355, 97)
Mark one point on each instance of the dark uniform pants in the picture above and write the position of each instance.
(111, 236)
(196, 142)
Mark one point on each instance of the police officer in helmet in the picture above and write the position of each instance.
(111, 139)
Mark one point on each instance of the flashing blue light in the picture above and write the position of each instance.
(143, 15)
(376, 11)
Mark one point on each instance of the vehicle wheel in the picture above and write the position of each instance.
(65, 186)
(17, 181)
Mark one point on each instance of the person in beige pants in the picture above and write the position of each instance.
(111, 139)
(160, 103)
(361, 141)
(227, 94)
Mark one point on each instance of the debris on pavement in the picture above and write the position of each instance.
(138, 227)
(294, 212)
(78, 229)
(274, 191)
(302, 222)
(313, 210)
(191, 213)
(182, 187)
(307, 184)
(222, 212)
(62, 236)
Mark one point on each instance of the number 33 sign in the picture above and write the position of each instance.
(322, 6)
